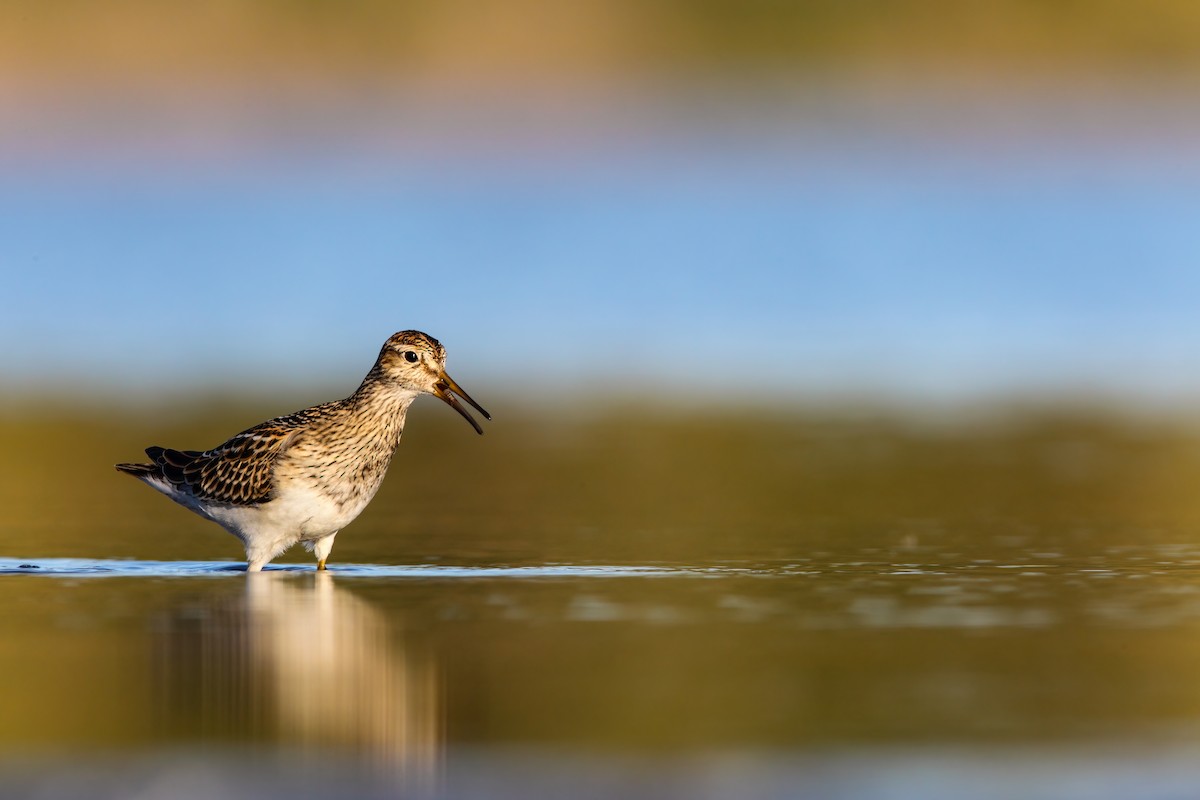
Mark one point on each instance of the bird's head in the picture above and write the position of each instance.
(416, 361)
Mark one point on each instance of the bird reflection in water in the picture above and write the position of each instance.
(299, 663)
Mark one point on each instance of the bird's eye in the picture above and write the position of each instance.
(411, 357)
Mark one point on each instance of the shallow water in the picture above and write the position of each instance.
(1056, 676)
(83, 567)
(822, 609)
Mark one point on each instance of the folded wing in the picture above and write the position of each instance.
(241, 471)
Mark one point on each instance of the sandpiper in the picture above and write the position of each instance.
(305, 476)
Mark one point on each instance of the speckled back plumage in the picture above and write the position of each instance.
(242, 470)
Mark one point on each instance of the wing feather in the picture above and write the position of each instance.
(241, 471)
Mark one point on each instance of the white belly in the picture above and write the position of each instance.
(299, 513)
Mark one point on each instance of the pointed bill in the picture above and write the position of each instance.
(446, 389)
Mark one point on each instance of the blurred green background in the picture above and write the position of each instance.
(890, 305)
(862, 249)
(636, 485)
(607, 38)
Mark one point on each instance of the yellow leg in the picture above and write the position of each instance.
(321, 564)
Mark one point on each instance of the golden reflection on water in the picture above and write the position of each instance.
(303, 663)
(792, 586)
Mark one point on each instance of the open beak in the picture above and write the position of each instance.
(446, 389)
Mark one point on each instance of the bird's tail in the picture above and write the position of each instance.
(138, 470)
(147, 470)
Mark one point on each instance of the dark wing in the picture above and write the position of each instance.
(241, 471)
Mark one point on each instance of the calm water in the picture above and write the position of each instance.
(686, 606)
(886, 674)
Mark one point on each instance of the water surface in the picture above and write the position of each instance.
(698, 607)
(897, 677)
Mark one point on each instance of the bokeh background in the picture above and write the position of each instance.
(740, 202)
(633, 224)
(889, 303)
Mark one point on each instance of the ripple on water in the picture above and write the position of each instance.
(80, 567)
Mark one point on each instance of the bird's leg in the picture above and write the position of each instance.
(321, 549)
